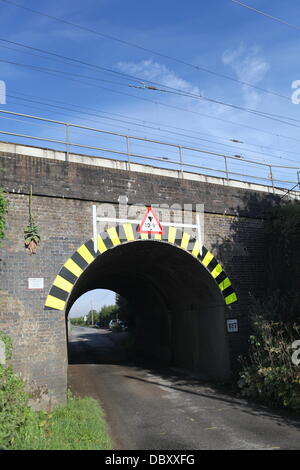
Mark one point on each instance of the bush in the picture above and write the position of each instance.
(14, 409)
(268, 373)
(79, 425)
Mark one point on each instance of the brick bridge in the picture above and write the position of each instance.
(184, 297)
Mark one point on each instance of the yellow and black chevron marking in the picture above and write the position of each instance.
(85, 255)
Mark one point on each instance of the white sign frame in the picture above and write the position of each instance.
(96, 219)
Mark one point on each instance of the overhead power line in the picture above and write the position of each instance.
(63, 72)
(171, 90)
(271, 116)
(72, 59)
(138, 80)
(158, 102)
(95, 113)
(289, 190)
(235, 158)
(141, 81)
(142, 123)
(130, 44)
(279, 20)
(135, 137)
(226, 121)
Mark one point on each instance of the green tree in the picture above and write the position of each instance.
(107, 313)
(77, 321)
(92, 317)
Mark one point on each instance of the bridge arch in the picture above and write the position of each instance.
(182, 294)
(126, 233)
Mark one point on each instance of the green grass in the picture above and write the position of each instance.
(78, 426)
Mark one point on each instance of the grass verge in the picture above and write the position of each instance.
(79, 425)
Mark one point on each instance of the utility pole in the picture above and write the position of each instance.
(92, 314)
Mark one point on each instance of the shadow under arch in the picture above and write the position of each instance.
(179, 296)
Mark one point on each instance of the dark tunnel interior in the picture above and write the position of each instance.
(178, 307)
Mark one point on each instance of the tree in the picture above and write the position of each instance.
(92, 317)
(107, 313)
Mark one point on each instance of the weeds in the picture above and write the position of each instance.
(268, 372)
(79, 425)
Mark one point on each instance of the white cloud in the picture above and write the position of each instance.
(231, 55)
(250, 67)
(153, 71)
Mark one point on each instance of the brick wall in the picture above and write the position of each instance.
(62, 201)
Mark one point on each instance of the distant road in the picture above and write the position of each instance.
(151, 409)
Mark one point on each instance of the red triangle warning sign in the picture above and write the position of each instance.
(150, 223)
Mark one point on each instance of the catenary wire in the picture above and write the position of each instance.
(265, 14)
(43, 70)
(95, 114)
(103, 35)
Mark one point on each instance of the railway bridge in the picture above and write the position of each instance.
(190, 289)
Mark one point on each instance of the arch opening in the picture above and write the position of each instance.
(89, 302)
(177, 306)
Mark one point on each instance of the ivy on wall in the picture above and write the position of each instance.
(3, 212)
(6, 340)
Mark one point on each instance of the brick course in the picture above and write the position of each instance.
(63, 194)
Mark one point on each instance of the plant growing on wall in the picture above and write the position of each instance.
(31, 232)
(3, 211)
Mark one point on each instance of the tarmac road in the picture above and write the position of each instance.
(149, 409)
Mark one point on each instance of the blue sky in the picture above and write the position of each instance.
(218, 35)
(92, 300)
